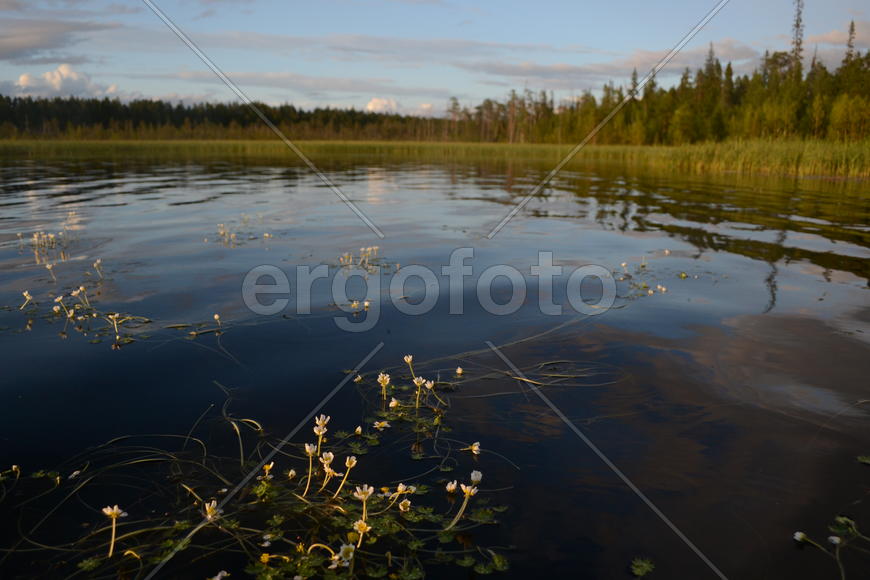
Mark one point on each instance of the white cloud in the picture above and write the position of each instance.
(379, 105)
(311, 86)
(571, 76)
(393, 49)
(862, 36)
(423, 110)
(65, 81)
(387, 105)
(60, 82)
(35, 41)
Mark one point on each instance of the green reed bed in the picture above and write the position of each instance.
(797, 158)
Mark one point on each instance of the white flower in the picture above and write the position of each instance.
(220, 575)
(358, 430)
(364, 492)
(361, 527)
(291, 474)
(335, 562)
(322, 420)
(310, 449)
(346, 552)
(113, 512)
(418, 381)
(326, 458)
(381, 425)
(358, 379)
(350, 462)
(468, 490)
(401, 488)
(459, 371)
(404, 505)
(430, 385)
(320, 430)
(211, 510)
(474, 448)
(383, 379)
(394, 402)
(409, 358)
(836, 540)
(476, 477)
(451, 486)
(799, 537)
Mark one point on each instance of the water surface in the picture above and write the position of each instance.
(733, 399)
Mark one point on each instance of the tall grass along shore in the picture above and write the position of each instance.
(801, 158)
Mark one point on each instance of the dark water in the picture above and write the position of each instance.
(736, 400)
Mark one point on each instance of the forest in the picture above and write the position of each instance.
(781, 98)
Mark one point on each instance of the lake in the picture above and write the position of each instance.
(725, 377)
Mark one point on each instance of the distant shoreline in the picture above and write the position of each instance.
(794, 158)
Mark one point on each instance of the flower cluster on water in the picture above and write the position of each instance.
(77, 307)
(307, 510)
(639, 280)
(74, 307)
(844, 535)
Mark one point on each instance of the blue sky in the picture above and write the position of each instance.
(407, 55)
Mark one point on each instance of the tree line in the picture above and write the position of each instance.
(779, 99)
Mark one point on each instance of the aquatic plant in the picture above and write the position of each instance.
(778, 156)
(113, 513)
(366, 259)
(641, 567)
(638, 281)
(237, 232)
(180, 505)
(80, 315)
(845, 535)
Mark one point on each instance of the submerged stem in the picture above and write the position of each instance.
(459, 513)
(112, 541)
(310, 468)
(341, 485)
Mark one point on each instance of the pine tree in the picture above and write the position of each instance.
(850, 43)
(797, 41)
